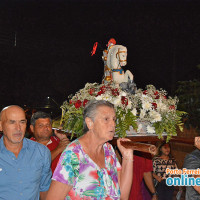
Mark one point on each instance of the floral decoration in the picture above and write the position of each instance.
(151, 107)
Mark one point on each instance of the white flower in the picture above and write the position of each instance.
(105, 97)
(161, 106)
(146, 105)
(150, 129)
(122, 93)
(99, 97)
(155, 116)
(117, 101)
(134, 111)
(142, 114)
(146, 98)
(129, 104)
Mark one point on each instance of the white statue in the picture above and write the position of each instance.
(114, 58)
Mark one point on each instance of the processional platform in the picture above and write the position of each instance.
(146, 143)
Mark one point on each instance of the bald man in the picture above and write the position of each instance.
(25, 171)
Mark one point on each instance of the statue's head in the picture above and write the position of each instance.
(122, 55)
(117, 56)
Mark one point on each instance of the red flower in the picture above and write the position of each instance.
(115, 92)
(154, 105)
(157, 95)
(91, 91)
(145, 92)
(70, 102)
(172, 107)
(85, 102)
(78, 104)
(124, 100)
(164, 97)
(103, 88)
(99, 93)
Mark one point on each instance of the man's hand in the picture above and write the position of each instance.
(64, 141)
(60, 135)
(62, 144)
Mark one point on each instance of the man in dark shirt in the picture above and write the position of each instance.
(192, 161)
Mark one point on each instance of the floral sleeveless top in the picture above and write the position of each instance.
(89, 181)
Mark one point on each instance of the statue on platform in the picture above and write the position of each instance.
(115, 57)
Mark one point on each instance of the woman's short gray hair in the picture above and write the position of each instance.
(90, 110)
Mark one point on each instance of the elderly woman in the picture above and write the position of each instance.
(88, 168)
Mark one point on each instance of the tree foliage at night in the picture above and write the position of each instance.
(188, 93)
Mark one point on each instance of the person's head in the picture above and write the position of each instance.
(13, 124)
(164, 149)
(41, 125)
(99, 117)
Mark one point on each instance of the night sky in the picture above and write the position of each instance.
(45, 45)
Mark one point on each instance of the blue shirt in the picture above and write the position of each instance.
(24, 177)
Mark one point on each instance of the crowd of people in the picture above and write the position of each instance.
(50, 166)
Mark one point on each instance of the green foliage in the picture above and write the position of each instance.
(125, 119)
(72, 120)
(169, 126)
(188, 93)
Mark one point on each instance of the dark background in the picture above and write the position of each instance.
(45, 45)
